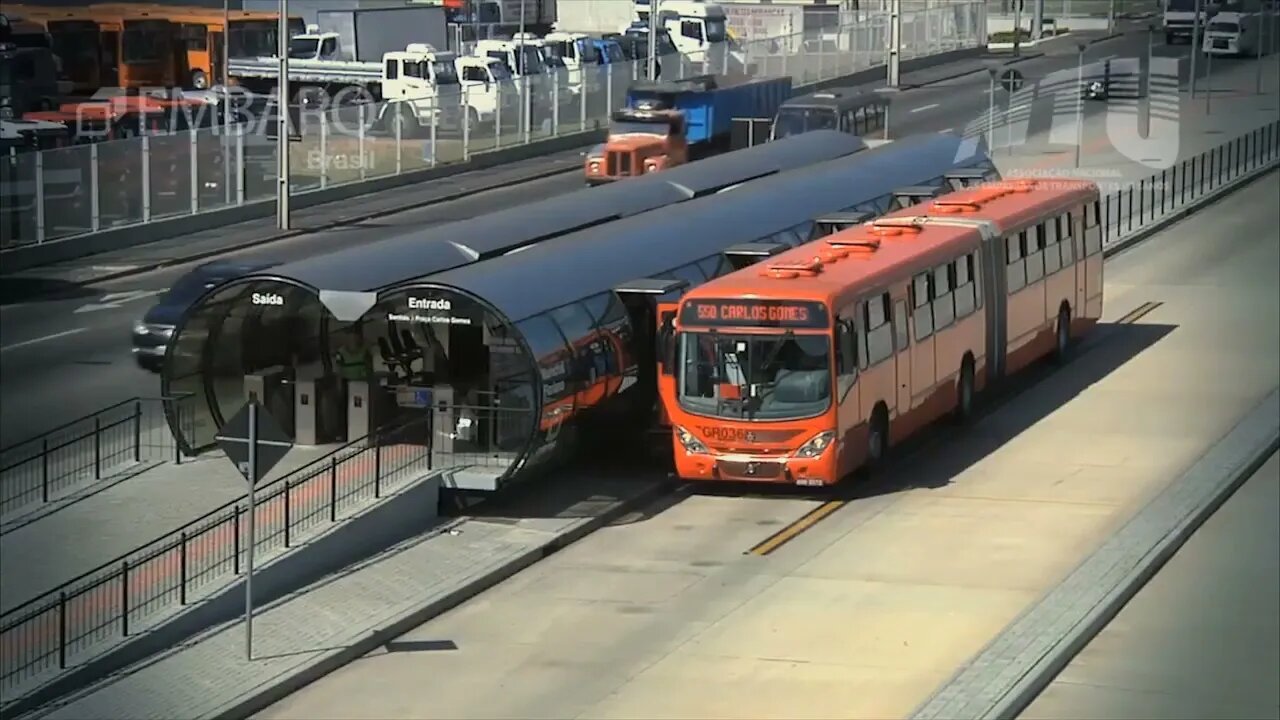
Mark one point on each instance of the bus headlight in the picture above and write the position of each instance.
(816, 445)
(691, 444)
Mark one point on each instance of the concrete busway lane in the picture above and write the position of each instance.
(1202, 638)
(77, 350)
(872, 608)
(82, 357)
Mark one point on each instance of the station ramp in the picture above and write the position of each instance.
(110, 600)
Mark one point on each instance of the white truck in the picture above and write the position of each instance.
(700, 31)
(1180, 18)
(1238, 33)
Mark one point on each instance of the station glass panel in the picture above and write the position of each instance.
(586, 378)
(613, 328)
(551, 356)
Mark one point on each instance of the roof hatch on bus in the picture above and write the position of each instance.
(651, 286)
(744, 254)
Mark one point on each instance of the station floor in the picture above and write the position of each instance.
(1202, 639)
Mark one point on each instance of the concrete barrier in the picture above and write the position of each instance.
(72, 248)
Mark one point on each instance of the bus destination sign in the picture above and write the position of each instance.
(755, 313)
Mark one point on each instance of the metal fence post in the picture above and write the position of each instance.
(97, 447)
(582, 97)
(62, 629)
(44, 469)
(399, 121)
(435, 155)
(194, 156)
(324, 149)
(146, 178)
(377, 467)
(235, 540)
(124, 598)
(555, 105)
(137, 431)
(288, 515)
(95, 220)
(360, 139)
(333, 490)
(40, 217)
(182, 568)
(240, 177)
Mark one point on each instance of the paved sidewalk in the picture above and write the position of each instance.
(348, 614)
(120, 519)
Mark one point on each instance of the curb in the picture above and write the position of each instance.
(1138, 236)
(452, 197)
(271, 694)
(1032, 684)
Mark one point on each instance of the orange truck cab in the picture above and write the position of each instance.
(640, 141)
(670, 123)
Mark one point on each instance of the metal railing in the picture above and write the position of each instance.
(1130, 209)
(90, 614)
(89, 450)
(93, 187)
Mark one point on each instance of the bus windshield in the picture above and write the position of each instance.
(716, 30)
(797, 120)
(145, 41)
(444, 72)
(530, 60)
(754, 377)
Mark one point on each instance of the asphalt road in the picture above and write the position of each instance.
(1202, 639)
(63, 359)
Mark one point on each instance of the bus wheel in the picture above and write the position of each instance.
(964, 399)
(878, 437)
(1064, 335)
(199, 80)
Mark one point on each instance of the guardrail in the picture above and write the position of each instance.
(87, 616)
(1172, 189)
(89, 450)
(85, 189)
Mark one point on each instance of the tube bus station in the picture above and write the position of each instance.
(507, 328)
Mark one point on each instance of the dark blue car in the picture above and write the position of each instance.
(151, 334)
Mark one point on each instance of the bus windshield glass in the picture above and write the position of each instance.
(797, 120)
(754, 377)
(144, 41)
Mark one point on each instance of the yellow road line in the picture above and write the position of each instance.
(790, 532)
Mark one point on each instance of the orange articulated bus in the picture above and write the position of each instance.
(810, 365)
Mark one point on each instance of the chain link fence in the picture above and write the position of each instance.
(93, 187)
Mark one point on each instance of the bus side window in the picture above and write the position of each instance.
(1066, 239)
(878, 330)
(1032, 241)
(1052, 255)
(922, 312)
(1017, 270)
(901, 338)
(1092, 228)
(846, 356)
(966, 295)
(944, 305)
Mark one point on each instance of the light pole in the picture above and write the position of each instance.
(1146, 80)
(1080, 47)
(991, 111)
(1195, 43)
(1208, 84)
(895, 43)
(1017, 28)
(282, 112)
(226, 60)
(1264, 21)
(652, 73)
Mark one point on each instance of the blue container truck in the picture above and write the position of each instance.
(672, 123)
